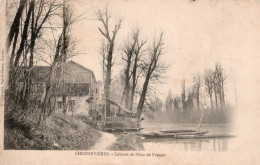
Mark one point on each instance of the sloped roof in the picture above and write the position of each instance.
(41, 73)
(73, 62)
(37, 73)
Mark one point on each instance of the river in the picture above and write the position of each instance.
(214, 144)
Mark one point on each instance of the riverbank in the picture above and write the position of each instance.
(55, 133)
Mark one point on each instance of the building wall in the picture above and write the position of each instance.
(75, 73)
(81, 106)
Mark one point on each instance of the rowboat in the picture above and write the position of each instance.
(203, 136)
(178, 131)
(122, 129)
(170, 135)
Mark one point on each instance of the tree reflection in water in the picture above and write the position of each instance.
(220, 144)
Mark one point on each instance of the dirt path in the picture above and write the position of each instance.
(104, 142)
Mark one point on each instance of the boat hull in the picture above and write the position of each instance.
(172, 135)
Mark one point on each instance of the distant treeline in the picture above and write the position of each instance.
(211, 82)
(206, 96)
(209, 117)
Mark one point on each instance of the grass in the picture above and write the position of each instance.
(55, 133)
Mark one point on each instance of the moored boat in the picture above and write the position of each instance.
(170, 135)
(184, 135)
(122, 129)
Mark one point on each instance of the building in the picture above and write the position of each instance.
(77, 85)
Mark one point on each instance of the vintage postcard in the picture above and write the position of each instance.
(129, 82)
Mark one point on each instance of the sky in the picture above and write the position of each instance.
(197, 34)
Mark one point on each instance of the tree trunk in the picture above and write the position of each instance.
(127, 83)
(32, 45)
(133, 82)
(14, 29)
(47, 95)
(24, 35)
(183, 96)
(108, 77)
(132, 97)
(14, 65)
(64, 106)
(198, 98)
(142, 97)
(223, 95)
(216, 98)
(211, 100)
(50, 79)
(220, 95)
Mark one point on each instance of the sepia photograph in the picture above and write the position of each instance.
(130, 78)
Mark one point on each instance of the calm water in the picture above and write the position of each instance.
(214, 144)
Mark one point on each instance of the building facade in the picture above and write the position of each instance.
(76, 88)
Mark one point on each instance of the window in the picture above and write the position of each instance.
(59, 104)
(71, 105)
(40, 87)
(34, 88)
(96, 90)
(37, 88)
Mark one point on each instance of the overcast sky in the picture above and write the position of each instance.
(196, 34)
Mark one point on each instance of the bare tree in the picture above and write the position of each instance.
(234, 85)
(65, 44)
(128, 49)
(136, 66)
(189, 102)
(151, 67)
(36, 15)
(103, 51)
(215, 87)
(153, 103)
(176, 103)
(14, 29)
(169, 102)
(15, 57)
(39, 18)
(220, 78)
(29, 37)
(51, 78)
(197, 85)
(59, 59)
(209, 83)
(183, 95)
(104, 17)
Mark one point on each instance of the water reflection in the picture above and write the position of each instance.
(186, 144)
